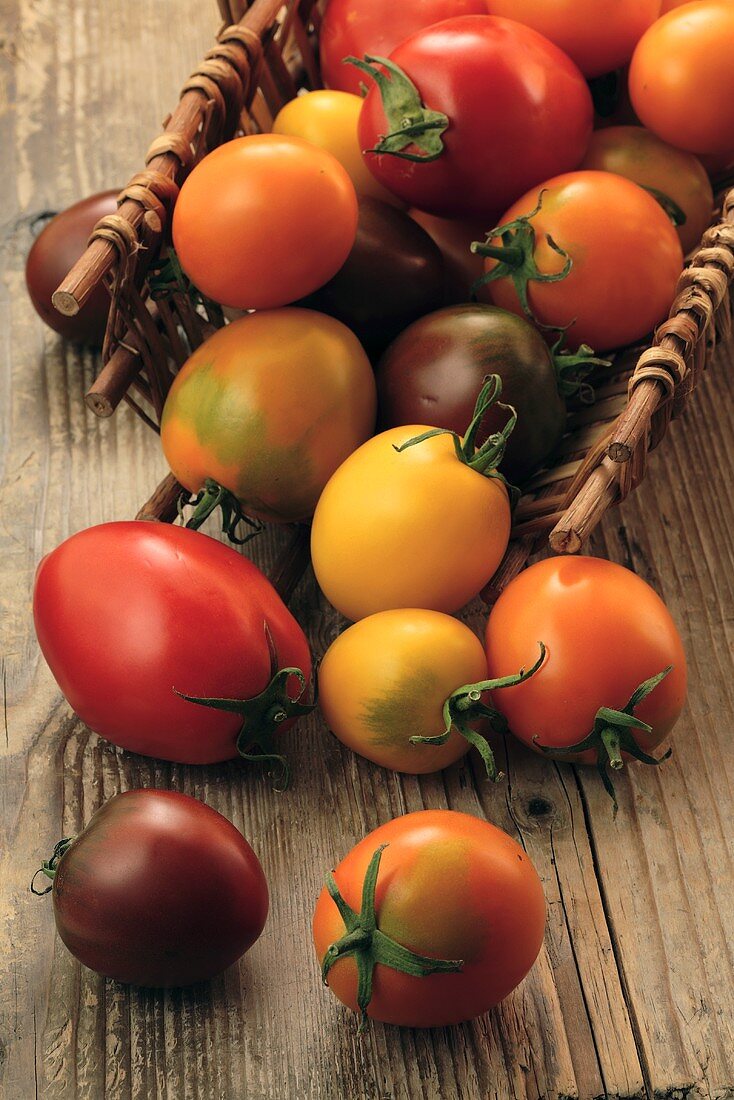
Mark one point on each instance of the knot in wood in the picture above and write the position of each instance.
(171, 142)
(659, 364)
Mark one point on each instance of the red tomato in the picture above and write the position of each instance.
(158, 890)
(513, 108)
(129, 614)
(452, 887)
(264, 220)
(620, 284)
(682, 79)
(606, 632)
(597, 35)
(352, 28)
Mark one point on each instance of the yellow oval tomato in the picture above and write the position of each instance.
(386, 679)
(268, 407)
(640, 156)
(409, 528)
(329, 119)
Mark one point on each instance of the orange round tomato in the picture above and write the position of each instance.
(269, 407)
(264, 220)
(445, 916)
(329, 119)
(640, 156)
(619, 284)
(607, 633)
(682, 78)
(597, 35)
(403, 524)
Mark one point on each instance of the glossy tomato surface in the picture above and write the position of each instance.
(450, 886)
(518, 112)
(597, 35)
(435, 370)
(638, 155)
(263, 220)
(269, 406)
(621, 284)
(159, 890)
(386, 679)
(462, 267)
(605, 631)
(411, 528)
(53, 254)
(129, 613)
(682, 80)
(353, 28)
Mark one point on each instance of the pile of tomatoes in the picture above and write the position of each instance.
(420, 265)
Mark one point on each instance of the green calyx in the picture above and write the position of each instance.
(50, 866)
(572, 368)
(411, 122)
(465, 705)
(263, 715)
(516, 257)
(612, 735)
(369, 946)
(167, 279)
(207, 500)
(676, 213)
(484, 459)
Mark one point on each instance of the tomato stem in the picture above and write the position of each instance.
(50, 866)
(612, 735)
(676, 214)
(573, 368)
(465, 705)
(411, 122)
(207, 500)
(370, 946)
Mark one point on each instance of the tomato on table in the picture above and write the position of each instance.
(470, 113)
(597, 35)
(158, 890)
(408, 522)
(606, 288)
(352, 28)
(607, 633)
(444, 914)
(682, 79)
(640, 156)
(263, 220)
(267, 408)
(407, 689)
(133, 616)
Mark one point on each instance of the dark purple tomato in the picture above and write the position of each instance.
(434, 370)
(393, 275)
(54, 252)
(462, 267)
(159, 890)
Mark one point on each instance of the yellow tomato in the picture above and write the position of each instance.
(386, 679)
(411, 528)
(329, 119)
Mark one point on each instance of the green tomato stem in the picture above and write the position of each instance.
(50, 866)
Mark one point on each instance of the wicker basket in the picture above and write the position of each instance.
(263, 56)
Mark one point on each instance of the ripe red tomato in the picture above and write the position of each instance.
(352, 28)
(130, 614)
(264, 220)
(597, 35)
(498, 108)
(606, 633)
(619, 285)
(452, 887)
(682, 79)
(158, 890)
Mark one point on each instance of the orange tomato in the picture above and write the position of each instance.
(264, 220)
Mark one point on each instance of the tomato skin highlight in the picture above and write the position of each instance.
(268, 407)
(159, 890)
(415, 528)
(519, 112)
(386, 679)
(450, 886)
(283, 222)
(606, 631)
(128, 613)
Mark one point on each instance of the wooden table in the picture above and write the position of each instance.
(632, 995)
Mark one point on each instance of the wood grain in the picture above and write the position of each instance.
(632, 995)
